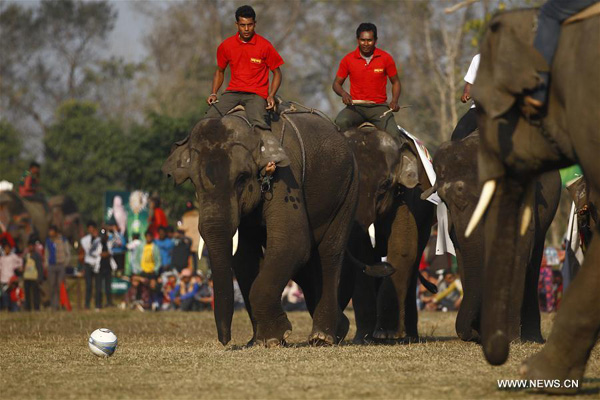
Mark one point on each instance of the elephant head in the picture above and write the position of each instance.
(513, 152)
(222, 158)
(385, 167)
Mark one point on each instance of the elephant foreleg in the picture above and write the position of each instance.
(576, 327)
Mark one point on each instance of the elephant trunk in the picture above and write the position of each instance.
(217, 235)
(501, 275)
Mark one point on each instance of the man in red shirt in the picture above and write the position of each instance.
(250, 58)
(369, 69)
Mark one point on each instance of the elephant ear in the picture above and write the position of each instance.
(179, 161)
(509, 62)
(270, 150)
(407, 170)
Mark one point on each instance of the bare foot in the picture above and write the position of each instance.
(270, 168)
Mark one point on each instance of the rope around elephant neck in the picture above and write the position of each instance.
(302, 150)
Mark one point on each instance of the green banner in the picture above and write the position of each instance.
(570, 173)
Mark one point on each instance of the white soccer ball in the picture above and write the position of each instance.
(103, 342)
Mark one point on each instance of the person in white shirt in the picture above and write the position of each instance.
(468, 122)
(89, 244)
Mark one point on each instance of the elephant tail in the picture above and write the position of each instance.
(428, 285)
(377, 270)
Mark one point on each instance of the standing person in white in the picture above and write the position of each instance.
(468, 122)
(89, 243)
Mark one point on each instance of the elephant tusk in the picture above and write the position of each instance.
(484, 201)
(372, 234)
(235, 242)
(527, 211)
(200, 248)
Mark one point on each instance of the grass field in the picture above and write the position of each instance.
(176, 355)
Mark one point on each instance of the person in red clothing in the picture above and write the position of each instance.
(369, 69)
(157, 217)
(250, 58)
(30, 181)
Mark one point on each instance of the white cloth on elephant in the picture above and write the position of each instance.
(444, 243)
(472, 73)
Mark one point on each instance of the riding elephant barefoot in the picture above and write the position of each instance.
(513, 153)
(302, 217)
(391, 181)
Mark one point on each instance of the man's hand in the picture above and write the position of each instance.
(270, 103)
(212, 99)
(394, 106)
(465, 97)
(347, 99)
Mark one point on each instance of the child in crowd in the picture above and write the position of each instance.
(165, 245)
(150, 261)
(15, 294)
(168, 287)
(33, 276)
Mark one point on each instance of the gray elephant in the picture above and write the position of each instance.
(302, 218)
(23, 218)
(391, 182)
(514, 151)
(455, 165)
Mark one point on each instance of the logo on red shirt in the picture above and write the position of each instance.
(255, 60)
(378, 70)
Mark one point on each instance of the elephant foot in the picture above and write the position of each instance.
(275, 332)
(363, 339)
(543, 366)
(342, 328)
(410, 339)
(469, 336)
(319, 338)
(532, 338)
(386, 334)
(273, 343)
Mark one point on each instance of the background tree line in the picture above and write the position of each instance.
(98, 122)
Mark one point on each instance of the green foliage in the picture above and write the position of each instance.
(83, 157)
(11, 145)
(149, 146)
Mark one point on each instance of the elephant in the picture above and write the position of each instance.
(514, 150)
(23, 218)
(389, 199)
(302, 218)
(65, 215)
(455, 165)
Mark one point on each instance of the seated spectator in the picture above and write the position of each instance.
(170, 283)
(205, 294)
(449, 294)
(156, 295)
(181, 250)
(183, 296)
(10, 263)
(16, 295)
(545, 286)
(165, 245)
(238, 298)
(33, 276)
(424, 296)
(138, 295)
(292, 298)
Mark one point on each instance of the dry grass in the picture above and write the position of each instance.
(176, 355)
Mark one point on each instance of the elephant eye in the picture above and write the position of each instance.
(385, 185)
(242, 178)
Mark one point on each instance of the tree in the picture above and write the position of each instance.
(84, 156)
(53, 51)
(11, 146)
(147, 149)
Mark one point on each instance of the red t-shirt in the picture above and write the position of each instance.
(368, 81)
(250, 63)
